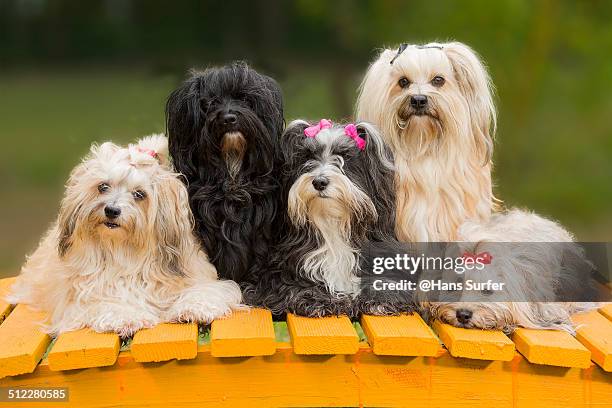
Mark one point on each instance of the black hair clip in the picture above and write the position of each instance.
(401, 49)
(421, 47)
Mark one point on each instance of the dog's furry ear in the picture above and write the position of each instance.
(375, 149)
(66, 223)
(276, 117)
(184, 118)
(542, 315)
(373, 90)
(150, 150)
(379, 164)
(290, 139)
(477, 87)
(172, 223)
(72, 203)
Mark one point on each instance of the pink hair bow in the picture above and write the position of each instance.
(351, 131)
(150, 152)
(483, 257)
(312, 131)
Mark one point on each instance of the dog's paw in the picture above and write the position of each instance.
(206, 302)
(129, 329)
(323, 306)
(124, 327)
(382, 304)
(372, 307)
(190, 310)
(123, 322)
(198, 314)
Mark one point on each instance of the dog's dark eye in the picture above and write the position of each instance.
(103, 187)
(486, 292)
(438, 81)
(403, 82)
(139, 195)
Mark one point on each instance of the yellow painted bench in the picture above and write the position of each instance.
(397, 361)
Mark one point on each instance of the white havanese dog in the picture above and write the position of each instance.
(522, 283)
(121, 255)
(434, 106)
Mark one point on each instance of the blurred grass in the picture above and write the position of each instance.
(553, 159)
(281, 333)
(47, 122)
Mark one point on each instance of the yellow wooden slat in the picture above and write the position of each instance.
(595, 332)
(166, 341)
(551, 347)
(474, 343)
(244, 333)
(285, 379)
(22, 341)
(326, 335)
(5, 307)
(406, 335)
(83, 349)
(606, 311)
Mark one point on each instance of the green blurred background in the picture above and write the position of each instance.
(74, 72)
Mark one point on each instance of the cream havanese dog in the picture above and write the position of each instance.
(434, 106)
(122, 255)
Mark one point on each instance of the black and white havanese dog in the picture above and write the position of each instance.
(338, 193)
(224, 126)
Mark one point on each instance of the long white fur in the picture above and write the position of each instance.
(443, 173)
(119, 279)
(443, 167)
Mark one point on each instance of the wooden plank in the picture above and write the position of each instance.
(244, 333)
(290, 380)
(595, 332)
(326, 335)
(84, 349)
(5, 307)
(551, 347)
(475, 344)
(406, 335)
(22, 341)
(166, 341)
(606, 311)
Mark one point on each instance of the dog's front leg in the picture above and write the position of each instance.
(314, 301)
(384, 303)
(121, 318)
(204, 302)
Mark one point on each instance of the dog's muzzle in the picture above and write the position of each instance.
(414, 105)
(320, 183)
(225, 121)
(111, 213)
(233, 147)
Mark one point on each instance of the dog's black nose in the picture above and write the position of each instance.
(229, 118)
(112, 212)
(418, 102)
(320, 183)
(463, 315)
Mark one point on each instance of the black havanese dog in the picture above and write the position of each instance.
(224, 126)
(338, 193)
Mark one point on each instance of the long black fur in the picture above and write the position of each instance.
(234, 216)
(281, 285)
